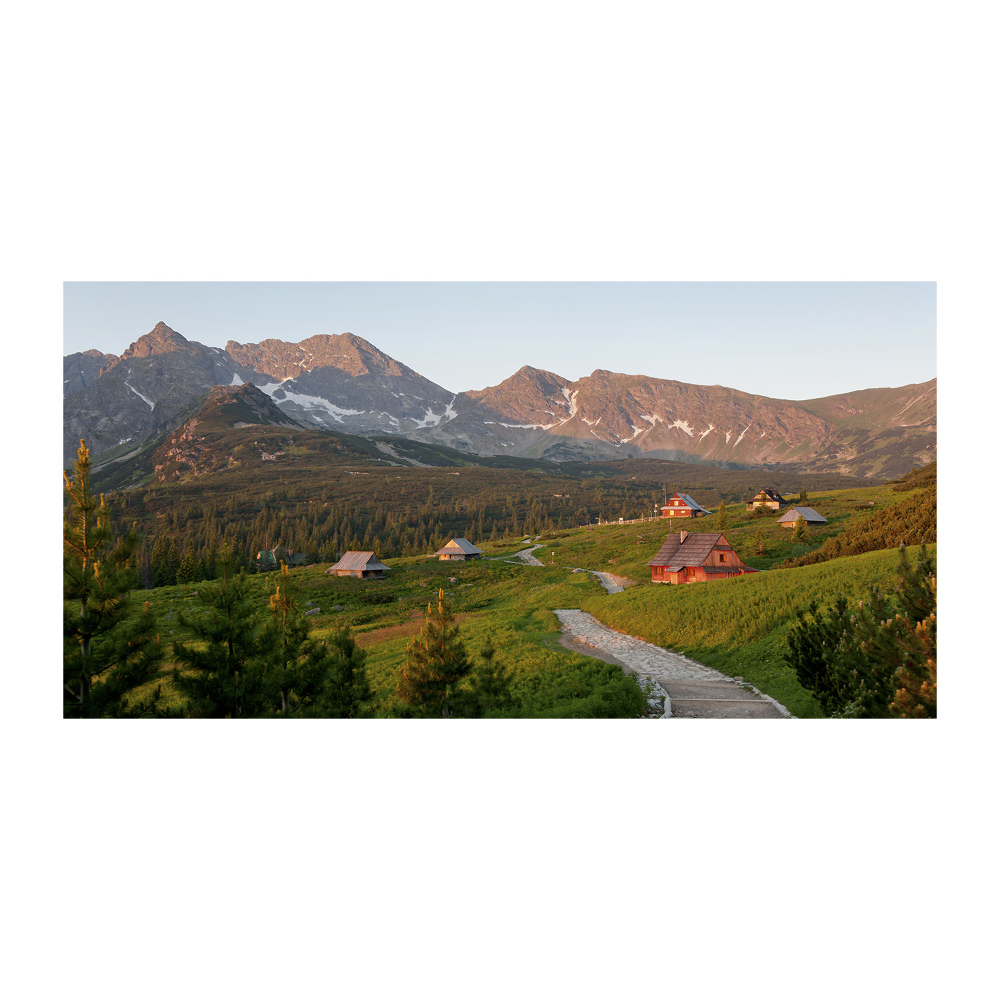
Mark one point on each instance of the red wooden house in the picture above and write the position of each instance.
(696, 558)
(682, 505)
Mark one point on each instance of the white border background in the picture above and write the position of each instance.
(779, 141)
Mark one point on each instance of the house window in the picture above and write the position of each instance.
(722, 557)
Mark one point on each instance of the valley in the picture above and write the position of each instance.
(312, 450)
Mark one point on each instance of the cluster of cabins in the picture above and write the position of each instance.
(685, 557)
(706, 556)
(366, 565)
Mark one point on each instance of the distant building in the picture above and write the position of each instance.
(698, 557)
(683, 505)
(790, 517)
(269, 559)
(364, 565)
(768, 498)
(458, 549)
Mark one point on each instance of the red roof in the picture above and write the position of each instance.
(693, 548)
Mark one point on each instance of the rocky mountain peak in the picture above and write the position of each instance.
(343, 351)
(160, 340)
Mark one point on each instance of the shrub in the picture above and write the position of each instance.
(877, 661)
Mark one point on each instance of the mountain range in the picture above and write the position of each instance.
(342, 382)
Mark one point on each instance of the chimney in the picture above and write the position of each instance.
(684, 535)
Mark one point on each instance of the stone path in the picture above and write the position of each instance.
(684, 688)
(527, 558)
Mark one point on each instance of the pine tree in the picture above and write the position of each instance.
(723, 515)
(174, 561)
(187, 572)
(491, 685)
(436, 662)
(803, 496)
(760, 541)
(106, 654)
(801, 530)
(879, 660)
(225, 675)
(310, 678)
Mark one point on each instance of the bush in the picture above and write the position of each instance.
(878, 661)
(910, 522)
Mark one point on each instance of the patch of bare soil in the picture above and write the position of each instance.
(401, 631)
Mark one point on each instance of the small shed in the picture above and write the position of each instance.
(768, 498)
(365, 565)
(683, 505)
(698, 557)
(790, 517)
(458, 549)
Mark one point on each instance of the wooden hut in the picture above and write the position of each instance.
(683, 505)
(768, 498)
(458, 549)
(700, 557)
(365, 565)
(790, 517)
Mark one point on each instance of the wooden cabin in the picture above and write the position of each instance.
(791, 517)
(458, 549)
(768, 498)
(696, 557)
(683, 505)
(364, 565)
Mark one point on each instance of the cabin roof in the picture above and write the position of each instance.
(462, 545)
(358, 561)
(807, 512)
(692, 551)
(689, 500)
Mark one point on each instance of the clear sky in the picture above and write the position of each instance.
(794, 340)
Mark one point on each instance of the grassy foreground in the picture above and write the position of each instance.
(510, 605)
(738, 626)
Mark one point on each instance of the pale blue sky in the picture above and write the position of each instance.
(795, 340)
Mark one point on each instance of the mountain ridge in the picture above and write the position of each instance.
(343, 382)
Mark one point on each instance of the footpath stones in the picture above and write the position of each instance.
(692, 690)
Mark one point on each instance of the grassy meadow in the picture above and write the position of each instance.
(508, 604)
(738, 625)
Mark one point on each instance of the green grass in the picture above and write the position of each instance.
(507, 604)
(738, 626)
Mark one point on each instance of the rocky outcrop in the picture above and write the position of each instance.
(83, 369)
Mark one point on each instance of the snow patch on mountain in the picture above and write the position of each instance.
(140, 395)
(432, 419)
(236, 380)
(449, 413)
(524, 427)
(684, 426)
(701, 437)
(309, 402)
(571, 401)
